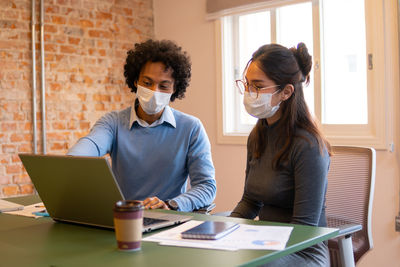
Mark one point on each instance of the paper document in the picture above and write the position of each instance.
(260, 237)
(6, 205)
(29, 210)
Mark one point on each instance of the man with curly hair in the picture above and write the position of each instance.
(153, 147)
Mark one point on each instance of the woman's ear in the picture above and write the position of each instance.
(287, 92)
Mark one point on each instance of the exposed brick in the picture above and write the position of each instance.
(76, 3)
(59, 146)
(68, 11)
(4, 179)
(101, 97)
(50, 47)
(84, 125)
(84, 23)
(19, 116)
(100, 34)
(100, 107)
(4, 159)
(10, 106)
(67, 49)
(21, 178)
(8, 126)
(102, 52)
(3, 138)
(60, 39)
(24, 148)
(57, 136)
(59, 125)
(26, 189)
(80, 116)
(73, 31)
(72, 125)
(15, 158)
(25, 126)
(16, 137)
(80, 134)
(116, 98)
(82, 96)
(86, 46)
(74, 41)
(62, 2)
(122, 11)
(52, 9)
(55, 86)
(49, 57)
(7, 64)
(10, 190)
(10, 169)
(8, 148)
(50, 28)
(103, 16)
(58, 20)
(8, 24)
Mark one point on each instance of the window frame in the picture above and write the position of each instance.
(375, 133)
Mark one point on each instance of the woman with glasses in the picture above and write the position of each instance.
(287, 156)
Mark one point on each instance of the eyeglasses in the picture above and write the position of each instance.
(253, 90)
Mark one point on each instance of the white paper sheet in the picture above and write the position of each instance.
(259, 237)
(6, 205)
(28, 210)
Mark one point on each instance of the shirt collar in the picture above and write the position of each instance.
(167, 116)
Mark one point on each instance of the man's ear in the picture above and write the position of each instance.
(287, 92)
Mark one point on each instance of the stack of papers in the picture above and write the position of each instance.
(9, 206)
(35, 211)
(259, 237)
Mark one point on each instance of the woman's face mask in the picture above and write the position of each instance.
(152, 102)
(261, 106)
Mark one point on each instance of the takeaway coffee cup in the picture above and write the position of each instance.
(128, 223)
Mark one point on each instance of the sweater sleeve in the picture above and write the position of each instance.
(310, 168)
(203, 185)
(100, 139)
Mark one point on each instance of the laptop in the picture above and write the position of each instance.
(83, 190)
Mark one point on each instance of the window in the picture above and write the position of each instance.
(344, 93)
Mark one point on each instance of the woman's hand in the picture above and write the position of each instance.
(154, 203)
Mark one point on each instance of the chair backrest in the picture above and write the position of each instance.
(349, 197)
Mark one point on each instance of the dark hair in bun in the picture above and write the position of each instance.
(304, 60)
(286, 66)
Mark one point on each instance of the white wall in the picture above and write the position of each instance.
(184, 21)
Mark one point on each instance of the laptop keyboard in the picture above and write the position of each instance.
(150, 221)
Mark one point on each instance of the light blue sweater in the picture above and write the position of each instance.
(155, 161)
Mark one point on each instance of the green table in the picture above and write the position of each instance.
(42, 242)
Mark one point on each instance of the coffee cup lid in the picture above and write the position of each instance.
(128, 205)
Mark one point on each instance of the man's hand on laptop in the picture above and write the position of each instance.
(154, 203)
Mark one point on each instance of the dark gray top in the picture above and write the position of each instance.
(293, 194)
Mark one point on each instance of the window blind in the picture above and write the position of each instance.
(219, 8)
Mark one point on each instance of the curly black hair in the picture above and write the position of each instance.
(166, 52)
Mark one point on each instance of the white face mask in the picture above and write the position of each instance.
(260, 107)
(151, 101)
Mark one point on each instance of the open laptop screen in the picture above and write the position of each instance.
(82, 190)
(75, 189)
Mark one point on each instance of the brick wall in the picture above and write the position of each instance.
(85, 48)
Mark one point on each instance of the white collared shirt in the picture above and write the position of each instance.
(166, 116)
